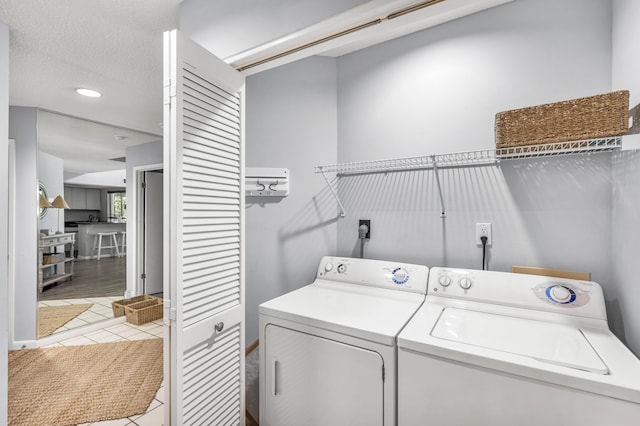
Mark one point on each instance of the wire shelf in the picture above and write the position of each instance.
(466, 159)
(469, 158)
(379, 166)
(473, 158)
(561, 148)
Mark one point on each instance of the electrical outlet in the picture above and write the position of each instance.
(368, 223)
(483, 230)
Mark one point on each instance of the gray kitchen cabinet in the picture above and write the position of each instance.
(82, 198)
(76, 198)
(93, 199)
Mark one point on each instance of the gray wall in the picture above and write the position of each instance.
(23, 128)
(625, 292)
(291, 122)
(4, 287)
(543, 214)
(437, 91)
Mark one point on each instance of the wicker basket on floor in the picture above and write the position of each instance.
(118, 306)
(574, 120)
(142, 312)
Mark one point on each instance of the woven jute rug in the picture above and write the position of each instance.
(83, 384)
(51, 318)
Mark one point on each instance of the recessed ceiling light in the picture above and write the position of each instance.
(88, 92)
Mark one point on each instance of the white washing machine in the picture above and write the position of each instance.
(328, 354)
(492, 348)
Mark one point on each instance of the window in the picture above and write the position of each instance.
(117, 207)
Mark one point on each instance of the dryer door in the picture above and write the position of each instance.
(317, 382)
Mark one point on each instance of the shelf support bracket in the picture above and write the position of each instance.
(443, 213)
(333, 191)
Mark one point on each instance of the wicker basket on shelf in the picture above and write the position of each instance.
(118, 306)
(143, 312)
(574, 120)
(50, 258)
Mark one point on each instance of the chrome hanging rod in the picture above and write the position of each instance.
(393, 15)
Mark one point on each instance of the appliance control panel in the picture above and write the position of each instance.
(375, 273)
(583, 298)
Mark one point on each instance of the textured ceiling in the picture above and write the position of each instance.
(115, 47)
(112, 46)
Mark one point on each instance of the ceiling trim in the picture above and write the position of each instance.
(102, 123)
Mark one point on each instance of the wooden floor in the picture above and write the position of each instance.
(92, 278)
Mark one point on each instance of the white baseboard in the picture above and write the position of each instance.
(94, 257)
(64, 335)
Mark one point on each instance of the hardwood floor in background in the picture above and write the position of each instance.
(92, 278)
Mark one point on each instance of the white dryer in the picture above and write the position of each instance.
(492, 348)
(328, 353)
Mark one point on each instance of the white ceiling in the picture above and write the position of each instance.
(260, 21)
(86, 146)
(112, 46)
(260, 31)
(115, 47)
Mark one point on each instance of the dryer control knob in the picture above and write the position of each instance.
(400, 276)
(466, 283)
(328, 267)
(445, 280)
(560, 293)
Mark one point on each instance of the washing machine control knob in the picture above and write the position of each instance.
(328, 267)
(562, 294)
(342, 268)
(444, 280)
(466, 283)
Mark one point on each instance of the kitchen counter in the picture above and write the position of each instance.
(87, 232)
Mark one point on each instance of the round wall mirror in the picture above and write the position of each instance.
(42, 190)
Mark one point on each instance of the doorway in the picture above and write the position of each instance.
(150, 231)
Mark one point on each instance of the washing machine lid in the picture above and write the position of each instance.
(369, 313)
(552, 343)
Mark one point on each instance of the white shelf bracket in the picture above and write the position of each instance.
(333, 191)
(443, 212)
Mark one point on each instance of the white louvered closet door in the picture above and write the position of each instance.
(203, 226)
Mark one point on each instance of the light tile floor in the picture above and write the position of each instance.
(125, 331)
(100, 310)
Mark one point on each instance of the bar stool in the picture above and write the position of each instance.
(111, 239)
(123, 243)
